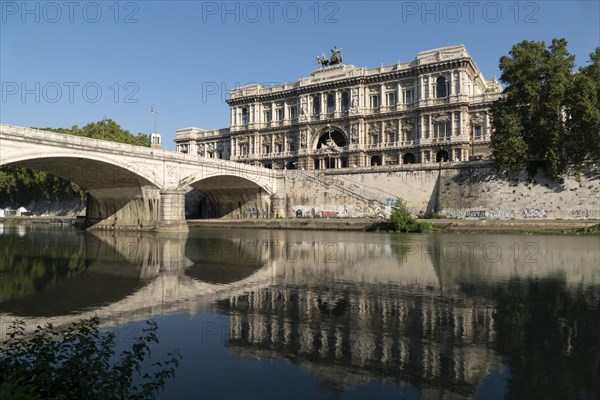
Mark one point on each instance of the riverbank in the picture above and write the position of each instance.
(516, 226)
(443, 225)
(282, 223)
(37, 220)
(438, 225)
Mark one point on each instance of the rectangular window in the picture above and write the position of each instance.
(478, 131)
(391, 99)
(268, 116)
(280, 114)
(443, 130)
(408, 96)
(374, 101)
(330, 104)
(292, 111)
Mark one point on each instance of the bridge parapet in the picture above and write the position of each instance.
(133, 187)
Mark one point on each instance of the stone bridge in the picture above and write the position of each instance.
(134, 187)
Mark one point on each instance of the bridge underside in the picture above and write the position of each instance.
(117, 197)
(227, 197)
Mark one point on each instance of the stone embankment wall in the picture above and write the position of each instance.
(312, 194)
(466, 190)
(481, 193)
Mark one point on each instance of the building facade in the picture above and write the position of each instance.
(432, 109)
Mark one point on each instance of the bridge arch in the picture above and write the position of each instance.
(118, 193)
(87, 170)
(228, 196)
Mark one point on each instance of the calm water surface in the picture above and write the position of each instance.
(298, 314)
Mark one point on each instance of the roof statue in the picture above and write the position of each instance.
(336, 58)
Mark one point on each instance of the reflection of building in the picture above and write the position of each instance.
(424, 340)
(434, 108)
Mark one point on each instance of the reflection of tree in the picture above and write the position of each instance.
(551, 337)
(30, 266)
(57, 274)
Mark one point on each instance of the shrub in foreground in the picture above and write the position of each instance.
(79, 362)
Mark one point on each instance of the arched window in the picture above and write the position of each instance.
(375, 160)
(441, 155)
(441, 87)
(409, 158)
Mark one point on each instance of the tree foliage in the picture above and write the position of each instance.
(401, 220)
(549, 116)
(19, 185)
(80, 363)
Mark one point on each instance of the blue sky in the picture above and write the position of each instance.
(64, 63)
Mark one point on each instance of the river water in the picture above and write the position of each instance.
(303, 314)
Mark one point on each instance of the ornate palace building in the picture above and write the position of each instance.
(432, 109)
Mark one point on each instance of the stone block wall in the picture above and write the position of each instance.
(455, 190)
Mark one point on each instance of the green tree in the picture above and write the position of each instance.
(79, 362)
(583, 110)
(19, 185)
(401, 220)
(548, 116)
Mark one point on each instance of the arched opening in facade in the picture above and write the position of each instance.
(409, 158)
(375, 161)
(441, 156)
(291, 165)
(332, 137)
(332, 144)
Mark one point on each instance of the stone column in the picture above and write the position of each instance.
(172, 211)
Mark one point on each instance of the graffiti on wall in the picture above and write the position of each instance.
(341, 211)
(534, 213)
(452, 214)
(501, 214)
(475, 214)
(585, 214)
(391, 201)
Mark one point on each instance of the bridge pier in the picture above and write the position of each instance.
(172, 211)
(146, 208)
(278, 206)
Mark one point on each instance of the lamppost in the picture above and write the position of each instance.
(104, 122)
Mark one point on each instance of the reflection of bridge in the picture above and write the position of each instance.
(421, 315)
(137, 187)
(160, 284)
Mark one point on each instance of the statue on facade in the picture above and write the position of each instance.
(336, 58)
(354, 134)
